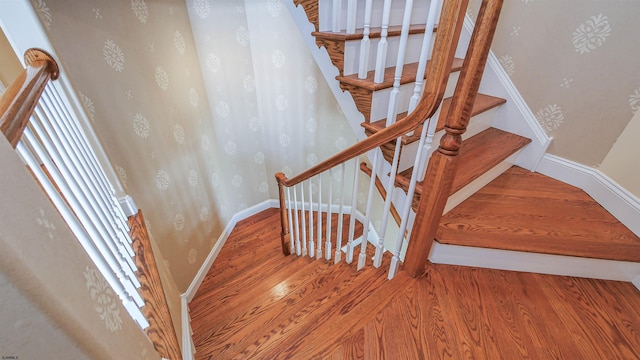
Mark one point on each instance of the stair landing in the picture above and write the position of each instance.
(526, 211)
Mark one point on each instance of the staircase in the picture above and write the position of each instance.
(491, 145)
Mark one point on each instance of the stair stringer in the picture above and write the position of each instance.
(514, 116)
(329, 72)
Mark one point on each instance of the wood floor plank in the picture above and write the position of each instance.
(438, 334)
(301, 308)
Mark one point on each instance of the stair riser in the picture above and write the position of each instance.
(477, 184)
(419, 13)
(380, 98)
(352, 52)
(478, 124)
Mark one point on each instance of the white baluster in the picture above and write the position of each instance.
(291, 233)
(319, 247)
(99, 259)
(74, 186)
(377, 259)
(395, 261)
(338, 252)
(381, 55)
(71, 119)
(327, 244)
(351, 16)
(439, 12)
(367, 219)
(296, 222)
(428, 148)
(337, 16)
(78, 163)
(392, 110)
(365, 43)
(303, 215)
(311, 243)
(123, 272)
(354, 205)
(424, 54)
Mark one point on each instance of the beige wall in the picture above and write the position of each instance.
(621, 163)
(575, 62)
(54, 304)
(9, 64)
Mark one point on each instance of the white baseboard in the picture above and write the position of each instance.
(535, 263)
(188, 348)
(623, 205)
(208, 262)
(636, 282)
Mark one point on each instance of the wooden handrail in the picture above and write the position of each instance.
(442, 164)
(19, 100)
(438, 70)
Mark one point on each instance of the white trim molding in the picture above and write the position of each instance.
(636, 281)
(622, 204)
(188, 348)
(514, 116)
(535, 263)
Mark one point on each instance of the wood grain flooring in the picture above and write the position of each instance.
(256, 303)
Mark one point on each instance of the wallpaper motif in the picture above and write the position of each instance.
(43, 221)
(634, 101)
(550, 117)
(591, 34)
(104, 300)
(113, 55)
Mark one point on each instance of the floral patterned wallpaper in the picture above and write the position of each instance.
(198, 105)
(136, 70)
(576, 65)
(51, 290)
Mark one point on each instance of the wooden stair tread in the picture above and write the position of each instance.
(409, 72)
(482, 103)
(540, 215)
(478, 154)
(374, 33)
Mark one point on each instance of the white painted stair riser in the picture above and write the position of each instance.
(352, 53)
(477, 124)
(380, 98)
(325, 13)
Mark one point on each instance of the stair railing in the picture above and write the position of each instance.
(38, 125)
(442, 164)
(438, 70)
(393, 110)
(39, 122)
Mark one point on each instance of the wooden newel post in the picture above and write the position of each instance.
(284, 220)
(442, 165)
(19, 100)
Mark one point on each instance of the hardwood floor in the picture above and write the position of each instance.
(257, 303)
